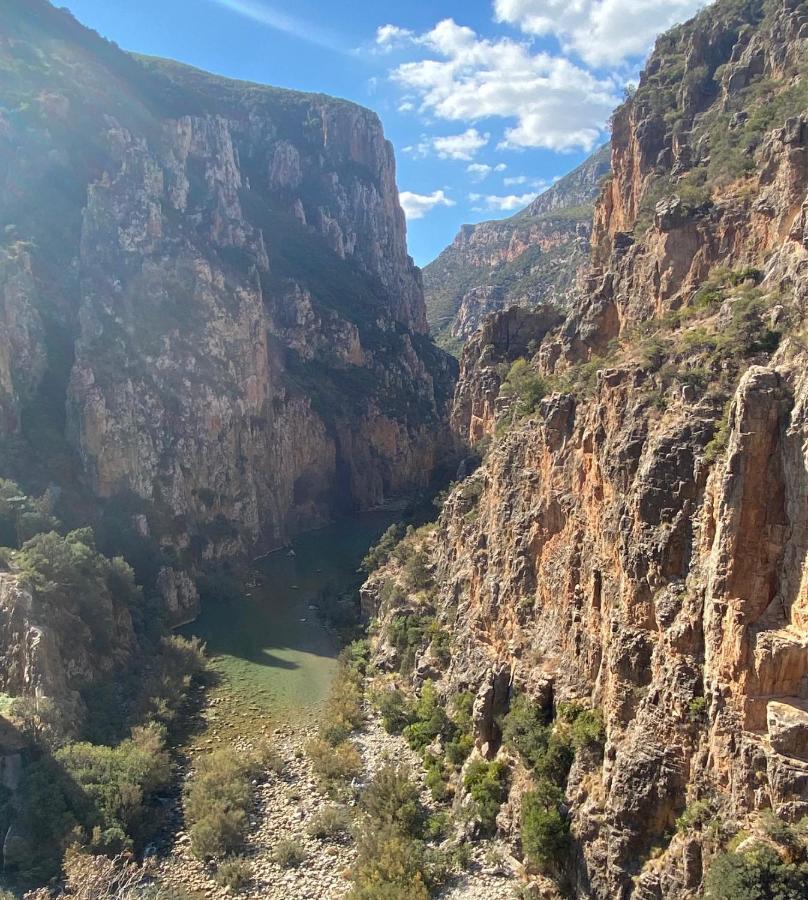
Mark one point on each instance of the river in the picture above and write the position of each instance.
(269, 647)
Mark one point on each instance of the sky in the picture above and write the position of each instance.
(487, 102)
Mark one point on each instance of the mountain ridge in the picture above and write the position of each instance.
(529, 258)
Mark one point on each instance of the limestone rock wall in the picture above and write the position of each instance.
(236, 342)
(605, 550)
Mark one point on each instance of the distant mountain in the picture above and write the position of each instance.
(530, 258)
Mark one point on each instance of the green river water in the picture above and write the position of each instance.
(269, 647)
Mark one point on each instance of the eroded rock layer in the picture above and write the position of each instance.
(636, 540)
(211, 323)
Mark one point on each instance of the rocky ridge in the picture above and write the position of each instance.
(531, 258)
(221, 266)
(636, 543)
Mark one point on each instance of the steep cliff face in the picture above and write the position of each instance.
(210, 312)
(531, 258)
(637, 542)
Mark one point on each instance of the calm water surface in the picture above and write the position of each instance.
(270, 647)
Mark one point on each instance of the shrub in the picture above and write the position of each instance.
(407, 633)
(436, 777)
(759, 874)
(116, 784)
(441, 644)
(460, 740)
(45, 722)
(544, 830)
(234, 873)
(459, 748)
(288, 853)
(555, 762)
(216, 803)
(696, 814)
(395, 710)
(389, 866)
(343, 710)
(718, 443)
(588, 730)
(429, 719)
(416, 571)
(22, 517)
(392, 799)
(697, 709)
(379, 554)
(437, 825)
(267, 759)
(100, 878)
(220, 831)
(526, 386)
(331, 822)
(334, 764)
(525, 729)
(486, 784)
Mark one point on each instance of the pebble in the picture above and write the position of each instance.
(286, 803)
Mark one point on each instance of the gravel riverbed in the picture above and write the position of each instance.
(284, 806)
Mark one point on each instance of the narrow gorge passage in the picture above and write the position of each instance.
(268, 644)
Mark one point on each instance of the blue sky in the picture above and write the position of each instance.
(486, 101)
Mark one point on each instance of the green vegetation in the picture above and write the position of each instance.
(217, 801)
(486, 783)
(429, 719)
(548, 749)
(333, 756)
(101, 797)
(408, 632)
(525, 386)
(288, 853)
(394, 860)
(22, 517)
(234, 873)
(696, 815)
(331, 823)
(380, 553)
(96, 761)
(395, 710)
(705, 345)
(543, 828)
(758, 874)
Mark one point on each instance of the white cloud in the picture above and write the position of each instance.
(553, 102)
(265, 14)
(388, 36)
(416, 206)
(494, 202)
(515, 180)
(420, 150)
(461, 146)
(601, 32)
(481, 171)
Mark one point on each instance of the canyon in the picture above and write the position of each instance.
(595, 659)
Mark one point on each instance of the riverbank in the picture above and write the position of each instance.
(285, 805)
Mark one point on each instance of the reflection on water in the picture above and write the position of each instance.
(270, 646)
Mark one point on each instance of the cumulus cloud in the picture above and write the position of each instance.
(481, 171)
(553, 102)
(416, 206)
(461, 146)
(601, 32)
(496, 203)
(388, 36)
